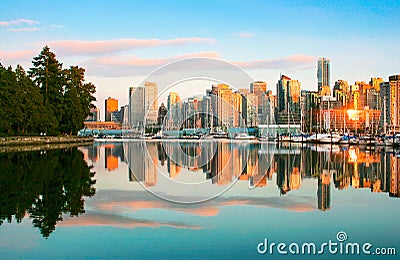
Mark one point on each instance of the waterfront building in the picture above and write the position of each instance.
(323, 73)
(288, 98)
(94, 115)
(390, 101)
(162, 112)
(174, 116)
(341, 91)
(151, 102)
(222, 105)
(136, 107)
(375, 83)
(249, 109)
(118, 116)
(259, 88)
(111, 105)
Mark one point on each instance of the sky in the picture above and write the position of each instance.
(120, 42)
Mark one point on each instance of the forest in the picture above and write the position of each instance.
(47, 99)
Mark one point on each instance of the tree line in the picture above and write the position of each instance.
(47, 99)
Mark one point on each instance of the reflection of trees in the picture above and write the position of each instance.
(44, 186)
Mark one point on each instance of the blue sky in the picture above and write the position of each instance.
(120, 42)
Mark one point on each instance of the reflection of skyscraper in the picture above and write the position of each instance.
(111, 161)
(136, 158)
(93, 153)
(324, 192)
(151, 165)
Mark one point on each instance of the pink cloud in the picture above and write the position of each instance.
(18, 22)
(117, 66)
(297, 61)
(121, 66)
(76, 47)
(12, 57)
(119, 221)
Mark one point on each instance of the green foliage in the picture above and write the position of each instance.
(49, 99)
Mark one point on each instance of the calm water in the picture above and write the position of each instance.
(194, 199)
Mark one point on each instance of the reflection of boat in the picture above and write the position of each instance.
(244, 136)
(326, 148)
(367, 140)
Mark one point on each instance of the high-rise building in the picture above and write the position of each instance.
(341, 92)
(390, 100)
(376, 82)
(222, 105)
(173, 98)
(136, 107)
(174, 115)
(323, 73)
(111, 105)
(151, 102)
(249, 109)
(259, 88)
(282, 93)
(94, 115)
(162, 112)
(288, 95)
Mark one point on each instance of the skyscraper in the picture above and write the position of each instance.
(390, 99)
(323, 73)
(136, 107)
(282, 92)
(151, 102)
(111, 105)
(259, 88)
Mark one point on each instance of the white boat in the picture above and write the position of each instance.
(244, 136)
(324, 138)
(330, 138)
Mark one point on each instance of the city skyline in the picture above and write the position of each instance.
(118, 53)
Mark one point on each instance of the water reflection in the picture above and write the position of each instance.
(225, 162)
(44, 186)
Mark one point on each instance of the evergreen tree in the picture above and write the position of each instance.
(47, 74)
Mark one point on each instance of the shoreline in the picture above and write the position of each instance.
(33, 143)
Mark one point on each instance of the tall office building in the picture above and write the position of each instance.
(259, 88)
(151, 102)
(173, 98)
(376, 82)
(136, 107)
(323, 73)
(174, 118)
(341, 92)
(94, 115)
(222, 102)
(282, 93)
(390, 102)
(111, 105)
